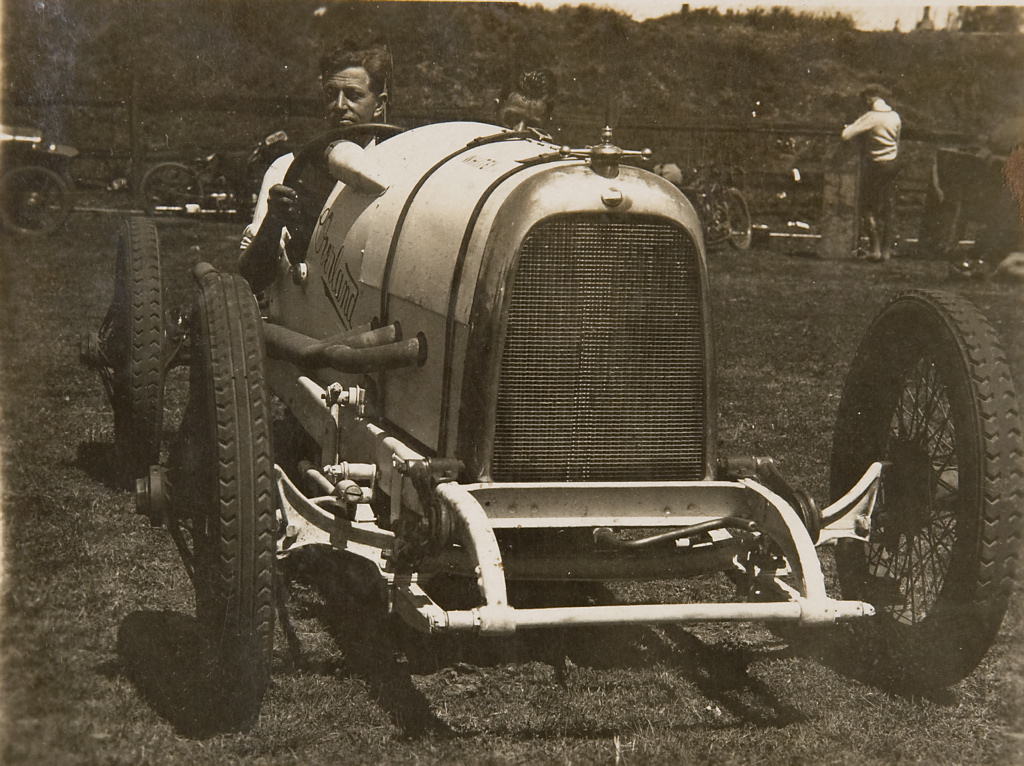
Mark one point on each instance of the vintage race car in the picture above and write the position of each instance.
(495, 360)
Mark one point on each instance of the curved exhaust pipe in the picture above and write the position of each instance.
(305, 351)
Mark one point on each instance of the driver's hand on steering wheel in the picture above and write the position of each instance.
(283, 205)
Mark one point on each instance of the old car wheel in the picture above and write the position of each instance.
(930, 392)
(223, 509)
(33, 200)
(131, 340)
(738, 216)
(169, 187)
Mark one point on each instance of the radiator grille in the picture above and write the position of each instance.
(603, 369)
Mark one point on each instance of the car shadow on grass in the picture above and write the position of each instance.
(98, 460)
(848, 652)
(161, 654)
(352, 612)
(385, 653)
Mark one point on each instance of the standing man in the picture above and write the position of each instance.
(879, 129)
(354, 84)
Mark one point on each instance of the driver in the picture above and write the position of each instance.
(355, 91)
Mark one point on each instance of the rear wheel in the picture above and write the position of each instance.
(131, 340)
(33, 200)
(169, 187)
(223, 516)
(930, 392)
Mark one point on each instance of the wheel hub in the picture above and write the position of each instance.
(911, 486)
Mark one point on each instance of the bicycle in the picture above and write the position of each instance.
(220, 183)
(722, 208)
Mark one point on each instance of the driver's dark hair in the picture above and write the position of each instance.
(376, 60)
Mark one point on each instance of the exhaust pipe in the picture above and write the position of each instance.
(305, 351)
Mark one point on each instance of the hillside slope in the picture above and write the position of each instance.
(451, 59)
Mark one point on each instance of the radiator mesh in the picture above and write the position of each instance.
(603, 368)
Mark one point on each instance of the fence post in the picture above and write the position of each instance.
(840, 219)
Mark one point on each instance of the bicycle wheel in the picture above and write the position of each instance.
(223, 510)
(738, 217)
(930, 393)
(714, 215)
(169, 187)
(33, 200)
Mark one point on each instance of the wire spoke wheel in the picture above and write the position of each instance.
(930, 393)
(223, 516)
(715, 218)
(132, 342)
(169, 187)
(33, 200)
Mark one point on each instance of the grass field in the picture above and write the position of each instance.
(99, 645)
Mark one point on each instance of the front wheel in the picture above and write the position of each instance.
(223, 512)
(33, 200)
(930, 393)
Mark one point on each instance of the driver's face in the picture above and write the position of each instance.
(349, 98)
(519, 112)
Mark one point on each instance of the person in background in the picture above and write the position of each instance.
(529, 102)
(354, 83)
(878, 129)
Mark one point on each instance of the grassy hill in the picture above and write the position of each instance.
(452, 58)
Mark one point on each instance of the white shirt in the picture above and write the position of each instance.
(882, 124)
(275, 175)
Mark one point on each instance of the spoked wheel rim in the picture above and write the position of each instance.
(916, 527)
(716, 227)
(33, 200)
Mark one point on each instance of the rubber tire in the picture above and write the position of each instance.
(135, 348)
(741, 229)
(191, 192)
(20, 176)
(945, 644)
(222, 477)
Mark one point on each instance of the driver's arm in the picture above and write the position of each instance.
(266, 237)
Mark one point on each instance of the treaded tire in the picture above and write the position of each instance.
(170, 184)
(132, 338)
(223, 487)
(930, 391)
(740, 228)
(33, 200)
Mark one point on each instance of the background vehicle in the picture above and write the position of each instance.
(496, 359)
(35, 187)
(221, 183)
(721, 206)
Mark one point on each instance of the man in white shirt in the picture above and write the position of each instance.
(355, 90)
(879, 131)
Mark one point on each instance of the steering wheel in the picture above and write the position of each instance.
(308, 176)
(297, 175)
